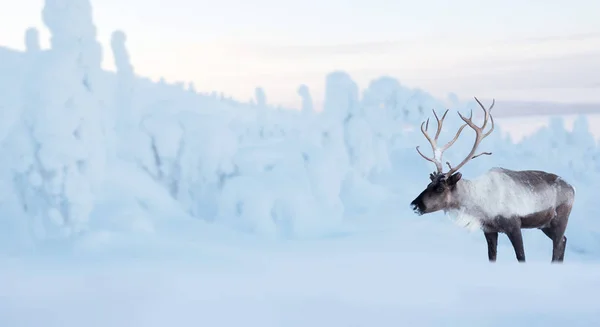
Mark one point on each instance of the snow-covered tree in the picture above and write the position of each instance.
(123, 115)
(64, 156)
(261, 104)
(32, 41)
(261, 97)
(307, 102)
(341, 97)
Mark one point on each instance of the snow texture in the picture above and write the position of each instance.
(128, 202)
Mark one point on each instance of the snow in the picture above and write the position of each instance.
(128, 201)
(363, 280)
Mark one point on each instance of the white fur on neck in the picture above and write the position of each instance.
(496, 194)
(465, 220)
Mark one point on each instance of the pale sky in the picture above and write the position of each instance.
(530, 50)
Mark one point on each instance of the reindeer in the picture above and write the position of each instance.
(499, 201)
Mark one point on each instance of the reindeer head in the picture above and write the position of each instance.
(440, 194)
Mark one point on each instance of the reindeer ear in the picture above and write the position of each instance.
(452, 180)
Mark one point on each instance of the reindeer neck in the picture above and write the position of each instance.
(460, 196)
(466, 198)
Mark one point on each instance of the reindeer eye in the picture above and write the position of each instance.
(439, 189)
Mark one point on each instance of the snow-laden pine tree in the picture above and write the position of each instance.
(123, 114)
(307, 101)
(580, 151)
(32, 41)
(63, 152)
(261, 114)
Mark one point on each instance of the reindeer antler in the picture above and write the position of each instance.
(479, 135)
(437, 152)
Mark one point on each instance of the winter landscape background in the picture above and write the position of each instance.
(132, 202)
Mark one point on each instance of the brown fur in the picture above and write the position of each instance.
(553, 221)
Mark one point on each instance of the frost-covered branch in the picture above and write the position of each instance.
(165, 172)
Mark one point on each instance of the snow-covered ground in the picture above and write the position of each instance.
(419, 273)
(129, 202)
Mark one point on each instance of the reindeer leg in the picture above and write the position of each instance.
(556, 232)
(512, 228)
(492, 244)
(516, 239)
(558, 243)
